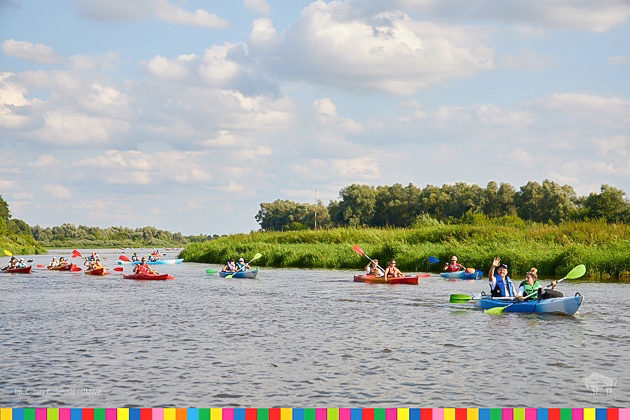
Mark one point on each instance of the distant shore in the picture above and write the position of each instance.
(552, 249)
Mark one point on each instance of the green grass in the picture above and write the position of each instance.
(553, 250)
(20, 245)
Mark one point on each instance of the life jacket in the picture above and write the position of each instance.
(453, 268)
(240, 266)
(142, 268)
(231, 266)
(499, 287)
(529, 289)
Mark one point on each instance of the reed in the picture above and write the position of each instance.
(553, 249)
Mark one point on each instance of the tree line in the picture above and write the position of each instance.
(70, 235)
(405, 206)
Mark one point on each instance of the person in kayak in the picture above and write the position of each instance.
(392, 271)
(134, 257)
(241, 265)
(373, 269)
(500, 283)
(453, 266)
(529, 289)
(229, 266)
(143, 267)
(21, 263)
(12, 264)
(62, 262)
(53, 263)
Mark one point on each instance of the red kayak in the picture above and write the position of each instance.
(147, 276)
(24, 270)
(100, 271)
(369, 278)
(67, 267)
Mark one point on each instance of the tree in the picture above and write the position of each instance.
(546, 202)
(396, 205)
(609, 204)
(356, 207)
(499, 201)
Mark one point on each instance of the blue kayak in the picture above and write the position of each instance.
(249, 274)
(475, 275)
(175, 261)
(562, 305)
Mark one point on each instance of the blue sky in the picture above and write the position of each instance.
(186, 115)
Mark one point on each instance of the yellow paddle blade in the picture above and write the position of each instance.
(575, 273)
(8, 253)
(258, 255)
(495, 311)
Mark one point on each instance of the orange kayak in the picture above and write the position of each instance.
(96, 272)
(67, 267)
(368, 278)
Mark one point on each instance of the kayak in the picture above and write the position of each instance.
(175, 261)
(463, 275)
(24, 270)
(67, 267)
(370, 278)
(249, 274)
(96, 272)
(147, 276)
(564, 305)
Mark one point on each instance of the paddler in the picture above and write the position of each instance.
(229, 266)
(53, 263)
(500, 283)
(241, 265)
(392, 271)
(62, 262)
(529, 289)
(453, 266)
(143, 267)
(373, 269)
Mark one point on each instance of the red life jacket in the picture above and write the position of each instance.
(452, 268)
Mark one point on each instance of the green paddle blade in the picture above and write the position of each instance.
(576, 273)
(258, 255)
(459, 298)
(210, 271)
(495, 311)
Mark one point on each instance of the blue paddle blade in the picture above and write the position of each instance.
(434, 260)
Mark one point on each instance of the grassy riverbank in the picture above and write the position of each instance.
(20, 245)
(553, 249)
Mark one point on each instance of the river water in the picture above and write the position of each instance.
(298, 338)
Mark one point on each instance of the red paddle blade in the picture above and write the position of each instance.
(424, 275)
(75, 268)
(358, 250)
(41, 266)
(76, 253)
(123, 258)
(118, 269)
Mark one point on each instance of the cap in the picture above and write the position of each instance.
(241, 259)
(503, 266)
(453, 258)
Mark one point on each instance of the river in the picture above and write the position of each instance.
(298, 338)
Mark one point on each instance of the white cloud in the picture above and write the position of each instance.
(260, 6)
(68, 127)
(619, 59)
(387, 52)
(609, 109)
(40, 53)
(123, 10)
(326, 115)
(46, 161)
(326, 170)
(56, 191)
(164, 68)
(217, 69)
(486, 115)
(6, 184)
(593, 16)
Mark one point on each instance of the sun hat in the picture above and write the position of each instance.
(241, 260)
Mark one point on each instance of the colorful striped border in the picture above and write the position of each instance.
(314, 413)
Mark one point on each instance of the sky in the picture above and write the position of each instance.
(186, 115)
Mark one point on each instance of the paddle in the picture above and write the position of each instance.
(434, 260)
(459, 298)
(118, 269)
(41, 266)
(76, 253)
(75, 268)
(29, 260)
(361, 252)
(123, 258)
(575, 273)
(258, 255)
(211, 271)
(8, 253)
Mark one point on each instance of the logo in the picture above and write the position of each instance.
(596, 383)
